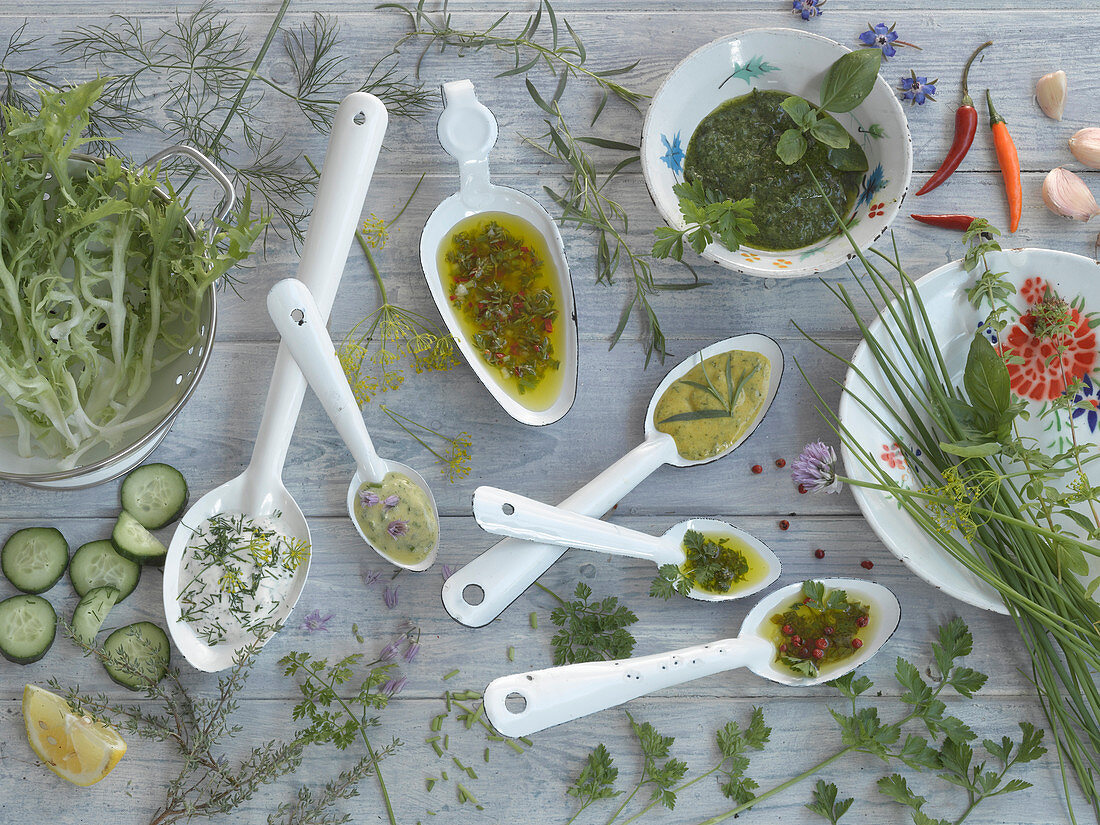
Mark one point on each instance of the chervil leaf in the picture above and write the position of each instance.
(954, 641)
(596, 779)
(920, 818)
(966, 681)
(895, 787)
(916, 753)
(851, 685)
(916, 691)
(1031, 747)
(824, 802)
(591, 631)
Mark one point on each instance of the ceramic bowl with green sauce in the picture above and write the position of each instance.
(715, 119)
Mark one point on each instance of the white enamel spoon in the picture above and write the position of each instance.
(356, 137)
(560, 694)
(483, 589)
(507, 514)
(467, 131)
(299, 322)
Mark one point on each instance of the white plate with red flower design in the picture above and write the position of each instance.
(1038, 381)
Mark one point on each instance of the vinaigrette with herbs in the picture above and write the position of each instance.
(819, 631)
(501, 281)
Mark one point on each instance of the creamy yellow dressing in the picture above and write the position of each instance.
(703, 425)
(397, 518)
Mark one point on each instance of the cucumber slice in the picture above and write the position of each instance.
(91, 612)
(96, 564)
(134, 542)
(28, 625)
(34, 558)
(155, 495)
(137, 655)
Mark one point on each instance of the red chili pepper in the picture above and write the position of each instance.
(960, 223)
(966, 125)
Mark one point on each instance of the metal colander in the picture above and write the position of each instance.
(174, 383)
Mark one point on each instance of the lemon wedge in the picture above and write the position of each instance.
(74, 746)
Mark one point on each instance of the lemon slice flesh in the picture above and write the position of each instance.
(74, 746)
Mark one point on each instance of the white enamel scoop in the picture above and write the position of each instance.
(356, 137)
(467, 131)
(299, 322)
(480, 591)
(544, 698)
(507, 514)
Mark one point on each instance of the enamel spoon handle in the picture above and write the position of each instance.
(509, 567)
(561, 694)
(508, 514)
(356, 138)
(298, 320)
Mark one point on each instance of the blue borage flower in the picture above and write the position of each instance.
(674, 154)
(807, 8)
(883, 37)
(1088, 396)
(917, 89)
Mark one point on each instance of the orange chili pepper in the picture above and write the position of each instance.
(1009, 161)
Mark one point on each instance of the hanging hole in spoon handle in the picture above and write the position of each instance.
(467, 130)
(557, 695)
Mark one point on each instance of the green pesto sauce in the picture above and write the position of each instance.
(707, 437)
(397, 518)
(732, 151)
(839, 626)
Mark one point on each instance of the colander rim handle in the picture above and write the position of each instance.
(229, 197)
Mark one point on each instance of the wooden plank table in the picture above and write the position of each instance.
(212, 439)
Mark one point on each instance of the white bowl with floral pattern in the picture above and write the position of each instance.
(792, 61)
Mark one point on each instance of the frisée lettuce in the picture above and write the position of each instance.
(100, 282)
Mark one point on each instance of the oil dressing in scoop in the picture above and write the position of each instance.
(397, 518)
(708, 409)
(500, 280)
(819, 631)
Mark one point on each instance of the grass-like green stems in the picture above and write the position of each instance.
(987, 498)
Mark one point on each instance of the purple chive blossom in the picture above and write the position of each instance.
(389, 596)
(411, 651)
(807, 8)
(815, 469)
(394, 686)
(397, 528)
(390, 502)
(315, 621)
(369, 499)
(881, 37)
(371, 577)
(917, 89)
(447, 571)
(389, 652)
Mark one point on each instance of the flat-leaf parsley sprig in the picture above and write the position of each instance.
(708, 216)
(590, 630)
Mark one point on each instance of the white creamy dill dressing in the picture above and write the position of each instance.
(235, 577)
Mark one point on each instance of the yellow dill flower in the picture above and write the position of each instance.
(297, 552)
(259, 547)
(376, 231)
(231, 581)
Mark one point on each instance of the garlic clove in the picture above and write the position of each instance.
(1067, 195)
(1085, 145)
(1050, 94)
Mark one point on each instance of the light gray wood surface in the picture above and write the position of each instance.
(212, 439)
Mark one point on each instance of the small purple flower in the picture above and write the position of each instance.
(397, 528)
(807, 8)
(881, 37)
(390, 502)
(389, 652)
(815, 469)
(394, 686)
(371, 577)
(411, 651)
(389, 596)
(447, 571)
(917, 89)
(369, 499)
(1087, 402)
(315, 621)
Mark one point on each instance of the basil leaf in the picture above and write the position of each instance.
(850, 79)
(831, 133)
(791, 146)
(850, 158)
(986, 379)
(800, 111)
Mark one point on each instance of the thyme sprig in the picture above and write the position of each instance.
(214, 90)
(205, 781)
